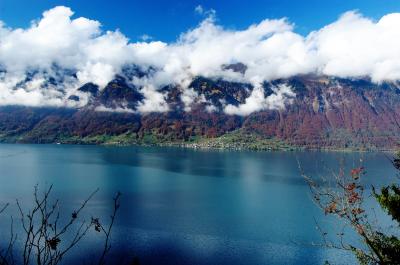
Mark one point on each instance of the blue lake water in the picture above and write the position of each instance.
(183, 206)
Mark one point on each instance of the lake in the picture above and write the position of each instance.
(182, 206)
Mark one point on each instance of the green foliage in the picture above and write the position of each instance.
(242, 140)
(236, 140)
(389, 247)
(384, 248)
(389, 199)
(362, 257)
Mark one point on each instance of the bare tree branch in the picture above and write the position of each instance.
(44, 236)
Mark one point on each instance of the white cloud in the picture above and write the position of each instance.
(154, 101)
(211, 108)
(98, 73)
(257, 100)
(352, 46)
(199, 9)
(357, 46)
(204, 12)
(53, 39)
(146, 37)
(117, 109)
(188, 97)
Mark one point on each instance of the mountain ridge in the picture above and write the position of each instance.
(325, 113)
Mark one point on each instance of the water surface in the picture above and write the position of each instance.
(183, 206)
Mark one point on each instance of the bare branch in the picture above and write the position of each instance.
(44, 234)
(107, 232)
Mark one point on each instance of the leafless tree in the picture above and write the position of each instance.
(46, 237)
(6, 255)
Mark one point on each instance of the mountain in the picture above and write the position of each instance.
(323, 112)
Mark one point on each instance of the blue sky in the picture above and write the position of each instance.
(165, 20)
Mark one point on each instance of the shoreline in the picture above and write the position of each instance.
(237, 140)
(194, 146)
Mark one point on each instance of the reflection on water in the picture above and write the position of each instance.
(184, 206)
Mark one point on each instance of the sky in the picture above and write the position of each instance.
(165, 20)
(175, 41)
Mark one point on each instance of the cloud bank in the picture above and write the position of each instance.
(352, 46)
